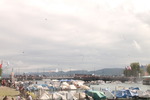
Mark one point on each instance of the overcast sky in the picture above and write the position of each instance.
(74, 34)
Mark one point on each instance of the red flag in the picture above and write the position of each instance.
(0, 65)
(128, 67)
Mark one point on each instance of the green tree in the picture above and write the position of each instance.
(141, 72)
(148, 68)
(127, 73)
(135, 68)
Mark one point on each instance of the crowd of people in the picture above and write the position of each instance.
(18, 98)
(23, 95)
(8, 83)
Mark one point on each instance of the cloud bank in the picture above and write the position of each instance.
(87, 34)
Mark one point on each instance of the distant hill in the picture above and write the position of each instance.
(105, 71)
(109, 71)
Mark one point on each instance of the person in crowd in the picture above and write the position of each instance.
(17, 88)
(5, 98)
(12, 99)
(29, 97)
(4, 82)
(9, 83)
(18, 98)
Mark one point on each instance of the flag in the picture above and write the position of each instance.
(0, 65)
(128, 67)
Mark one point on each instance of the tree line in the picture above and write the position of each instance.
(134, 70)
